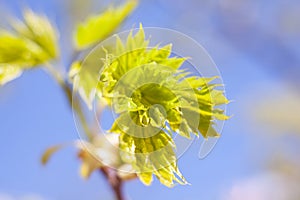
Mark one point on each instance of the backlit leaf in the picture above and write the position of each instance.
(153, 98)
(39, 30)
(146, 177)
(188, 102)
(97, 28)
(16, 50)
(32, 43)
(8, 73)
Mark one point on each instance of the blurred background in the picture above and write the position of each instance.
(255, 45)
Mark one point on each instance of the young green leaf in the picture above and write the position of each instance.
(16, 50)
(135, 79)
(97, 28)
(85, 78)
(151, 155)
(33, 42)
(39, 30)
(8, 73)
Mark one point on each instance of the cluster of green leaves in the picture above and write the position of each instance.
(33, 41)
(135, 78)
(29, 44)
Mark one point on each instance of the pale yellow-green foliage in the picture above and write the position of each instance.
(134, 79)
(150, 93)
(31, 43)
(99, 27)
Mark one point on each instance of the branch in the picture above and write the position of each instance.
(114, 181)
(110, 174)
(74, 101)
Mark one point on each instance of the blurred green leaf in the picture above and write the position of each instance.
(16, 50)
(85, 75)
(39, 30)
(97, 28)
(32, 43)
(8, 73)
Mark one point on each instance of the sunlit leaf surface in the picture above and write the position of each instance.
(154, 98)
(97, 28)
(32, 43)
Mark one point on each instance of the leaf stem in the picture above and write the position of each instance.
(110, 174)
(73, 100)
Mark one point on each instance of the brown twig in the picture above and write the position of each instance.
(114, 181)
